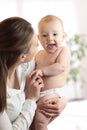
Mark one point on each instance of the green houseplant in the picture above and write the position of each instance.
(77, 44)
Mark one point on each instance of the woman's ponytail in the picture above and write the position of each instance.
(3, 80)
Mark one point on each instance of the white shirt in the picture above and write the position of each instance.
(20, 112)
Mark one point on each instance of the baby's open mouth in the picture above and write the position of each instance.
(51, 45)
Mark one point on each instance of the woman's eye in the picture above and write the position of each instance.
(37, 44)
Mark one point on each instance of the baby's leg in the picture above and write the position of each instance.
(41, 120)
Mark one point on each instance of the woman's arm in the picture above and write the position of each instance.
(23, 121)
(5, 122)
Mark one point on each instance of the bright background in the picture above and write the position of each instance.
(72, 12)
(74, 15)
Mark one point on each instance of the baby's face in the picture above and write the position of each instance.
(51, 35)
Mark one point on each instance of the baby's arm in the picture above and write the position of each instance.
(61, 64)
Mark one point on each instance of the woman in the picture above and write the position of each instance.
(18, 46)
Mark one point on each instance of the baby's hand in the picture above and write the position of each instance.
(37, 72)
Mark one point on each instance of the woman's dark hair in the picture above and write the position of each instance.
(15, 36)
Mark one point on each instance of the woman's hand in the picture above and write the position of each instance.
(34, 83)
(38, 72)
(52, 107)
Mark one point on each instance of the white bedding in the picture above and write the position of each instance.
(74, 117)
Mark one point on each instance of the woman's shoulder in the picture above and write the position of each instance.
(27, 67)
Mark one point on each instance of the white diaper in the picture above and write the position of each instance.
(57, 91)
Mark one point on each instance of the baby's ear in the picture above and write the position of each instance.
(64, 35)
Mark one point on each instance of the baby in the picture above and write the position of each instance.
(52, 63)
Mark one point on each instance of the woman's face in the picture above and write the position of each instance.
(33, 49)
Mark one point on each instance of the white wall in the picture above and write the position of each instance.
(33, 10)
(81, 14)
(72, 12)
(36, 9)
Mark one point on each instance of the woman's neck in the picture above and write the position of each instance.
(12, 79)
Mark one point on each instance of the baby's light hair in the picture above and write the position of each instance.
(49, 18)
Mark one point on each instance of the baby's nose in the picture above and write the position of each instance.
(50, 37)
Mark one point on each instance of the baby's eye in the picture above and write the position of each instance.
(55, 34)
